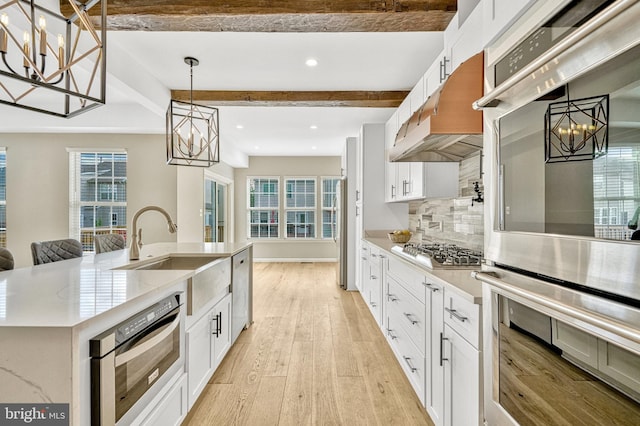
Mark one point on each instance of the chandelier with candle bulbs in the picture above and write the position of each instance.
(192, 130)
(53, 57)
(577, 129)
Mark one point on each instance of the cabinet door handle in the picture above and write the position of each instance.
(357, 211)
(391, 335)
(373, 305)
(411, 320)
(456, 315)
(374, 255)
(408, 361)
(216, 327)
(364, 258)
(404, 187)
(432, 287)
(373, 277)
(382, 256)
(393, 191)
(442, 339)
(391, 297)
(357, 195)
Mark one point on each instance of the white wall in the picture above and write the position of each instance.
(38, 185)
(283, 249)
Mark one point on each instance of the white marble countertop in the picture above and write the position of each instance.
(460, 279)
(71, 292)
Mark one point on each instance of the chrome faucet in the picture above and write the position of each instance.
(136, 239)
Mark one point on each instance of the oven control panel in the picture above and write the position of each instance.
(144, 319)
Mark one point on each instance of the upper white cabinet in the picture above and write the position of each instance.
(498, 15)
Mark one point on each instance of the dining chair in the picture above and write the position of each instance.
(55, 250)
(6, 259)
(108, 242)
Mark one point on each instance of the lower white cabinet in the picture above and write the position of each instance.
(171, 410)
(461, 363)
(208, 340)
(373, 275)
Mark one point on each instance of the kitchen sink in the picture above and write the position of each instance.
(172, 262)
(211, 278)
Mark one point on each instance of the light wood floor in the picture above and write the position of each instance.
(314, 355)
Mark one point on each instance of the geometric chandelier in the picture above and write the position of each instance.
(53, 58)
(577, 130)
(192, 131)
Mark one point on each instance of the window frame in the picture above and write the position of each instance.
(86, 234)
(314, 209)
(323, 208)
(277, 208)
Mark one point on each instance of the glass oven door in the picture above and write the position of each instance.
(140, 361)
(588, 372)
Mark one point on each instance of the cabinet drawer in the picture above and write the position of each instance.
(374, 256)
(409, 311)
(411, 360)
(463, 316)
(410, 278)
(619, 364)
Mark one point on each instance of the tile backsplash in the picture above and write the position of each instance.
(453, 220)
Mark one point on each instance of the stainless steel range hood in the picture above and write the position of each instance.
(445, 127)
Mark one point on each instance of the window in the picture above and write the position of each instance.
(616, 191)
(300, 207)
(263, 207)
(3, 198)
(98, 195)
(329, 195)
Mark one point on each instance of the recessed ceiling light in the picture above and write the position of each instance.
(313, 127)
(311, 62)
(256, 147)
(314, 147)
(239, 126)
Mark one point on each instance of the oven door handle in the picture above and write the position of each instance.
(149, 344)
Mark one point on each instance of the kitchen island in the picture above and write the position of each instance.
(49, 312)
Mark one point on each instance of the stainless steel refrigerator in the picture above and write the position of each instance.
(340, 231)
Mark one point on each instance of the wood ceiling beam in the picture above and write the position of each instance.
(278, 15)
(359, 99)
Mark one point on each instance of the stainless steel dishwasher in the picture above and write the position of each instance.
(241, 292)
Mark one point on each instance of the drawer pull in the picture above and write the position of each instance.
(456, 315)
(411, 320)
(432, 287)
(391, 297)
(408, 361)
(442, 339)
(382, 256)
(373, 305)
(373, 277)
(391, 335)
(374, 255)
(364, 258)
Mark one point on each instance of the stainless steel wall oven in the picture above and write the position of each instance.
(134, 358)
(561, 289)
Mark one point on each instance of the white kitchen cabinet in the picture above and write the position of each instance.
(434, 380)
(416, 181)
(461, 380)
(371, 211)
(172, 409)
(390, 169)
(207, 340)
(498, 15)
(373, 278)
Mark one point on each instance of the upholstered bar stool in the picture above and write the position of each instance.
(108, 242)
(6, 259)
(56, 250)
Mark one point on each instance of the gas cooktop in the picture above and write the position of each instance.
(436, 256)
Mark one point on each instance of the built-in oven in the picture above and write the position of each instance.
(134, 360)
(562, 188)
(587, 372)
